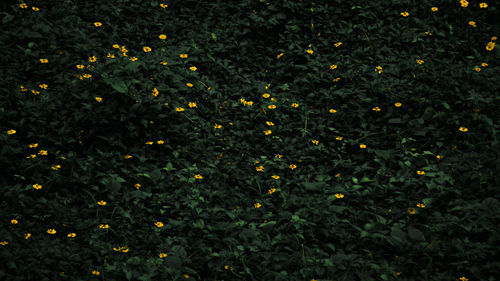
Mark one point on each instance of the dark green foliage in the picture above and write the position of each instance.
(419, 202)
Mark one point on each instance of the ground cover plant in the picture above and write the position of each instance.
(249, 140)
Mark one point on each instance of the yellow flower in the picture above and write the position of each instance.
(266, 95)
(332, 111)
(155, 92)
(280, 55)
(33, 145)
(490, 46)
(477, 69)
(362, 146)
(493, 38)
(339, 195)
(3, 243)
(31, 156)
(27, 235)
(398, 104)
(379, 69)
(439, 156)
(295, 105)
(163, 63)
(127, 156)
(95, 272)
(278, 156)
(405, 14)
(51, 231)
(420, 205)
(276, 177)
(272, 106)
(36, 9)
(183, 56)
(179, 109)
(11, 132)
(102, 203)
(421, 173)
(23, 6)
(137, 185)
(259, 168)
(37, 186)
(376, 108)
(257, 205)
(271, 190)
(434, 9)
(310, 51)
(463, 279)
(336, 79)
(44, 60)
(337, 44)
(159, 224)
(268, 132)
(23, 89)
(411, 211)
(193, 68)
(80, 66)
(56, 167)
(293, 166)
(198, 176)
(192, 104)
(42, 152)
(464, 3)
(146, 49)
(103, 226)
(162, 36)
(339, 138)
(72, 235)
(163, 5)
(116, 46)
(189, 85)
(333, 66)
(315, 142)
(133, 59)
(98, 99)
(14, 221)
(484, 64)
(43, 86)
(92, 59)
(97, 24)
(463, 129)
(472, 23)
(483, 5)
(125, 249)
(162, 255)
(87, 75)
(419, 61)
(217, 126)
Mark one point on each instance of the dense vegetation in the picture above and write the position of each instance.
(249, 140)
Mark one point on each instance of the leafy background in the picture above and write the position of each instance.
(419, 202)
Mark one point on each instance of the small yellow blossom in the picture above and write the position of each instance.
(484, 64)
(159, 224)
(103, 226)
(23, 6)
(272, 106)
(56, 167)
(463, 129)
(333, 66)
(42, 152)
(193, 68)
(483, 5)
(434, 9)
(217, 126)
(155, 92)
(163, 5)
(80, 66)
(278, 156)
(72, 235)
(310, 51)
(44, 86)
(337, 44)
(339, 195)
(259, 168)
(51, 231)
(98, 99)
(295, 105)
(133, 59)
(11, 132)
(472, 23)
(362, 146)
(463, 279)
(420, 205)
(336, 79)
(490, 46)
(97, 24)
(31, 156)
(192, 104)
(464, 3)
(102, 203)
(271, 190)
(14, 221)
(421, 173)
(269, 123)
(3, 243)
(127, 156)
(162, 255)
(411, 211)
(137, 185)
(92, 59)
(405, 14)
(95, 272)
(87, 75)
(37, 186)
(398, 104)
(257, 205)
(198, 176)
(315, 142)
(183, 56)
(332, 111)
(378, 69)
(163, 63)
(339, 138)
(189, 85)
(146, 49)
(376, 108)
(266, 95)
(44, 60)
(179, 109)
(439, 156)
(27, 235)
(36, 9)
(292, 166)
(33, 145)
(116, 46)
(268, 132)
(276, 177)
(162, 36)
(419, 61)
(477, 69)
(280, 55)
